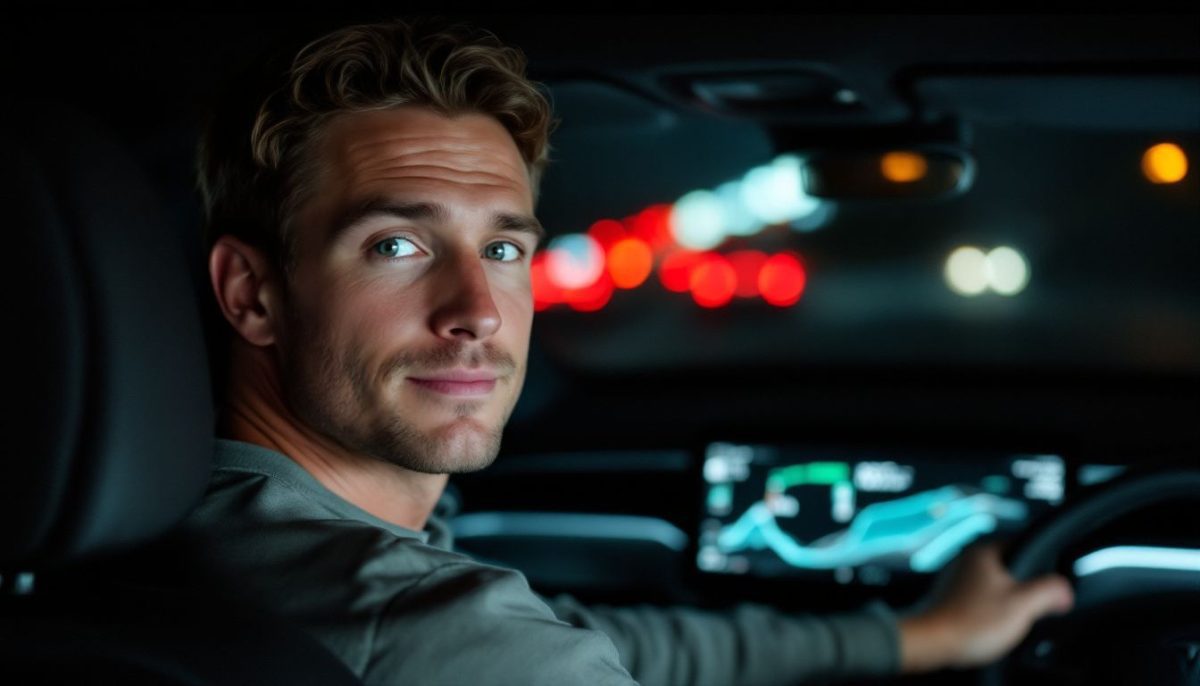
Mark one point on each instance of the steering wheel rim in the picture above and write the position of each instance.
(1035, 551)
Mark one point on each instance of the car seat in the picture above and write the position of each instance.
(108, 432)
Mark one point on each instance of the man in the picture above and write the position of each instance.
(371, 232)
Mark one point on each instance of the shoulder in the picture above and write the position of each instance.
(398, 610)
(470, 623)
(255, 525)
(390, 605)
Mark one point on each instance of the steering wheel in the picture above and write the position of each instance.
(1144, 639)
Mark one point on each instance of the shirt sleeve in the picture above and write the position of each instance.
(751, 645)
(478, 625)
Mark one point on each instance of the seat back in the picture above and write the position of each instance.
(108, 430)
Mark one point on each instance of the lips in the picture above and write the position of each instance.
(457, 382)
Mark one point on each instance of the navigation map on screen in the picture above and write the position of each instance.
(775, 511)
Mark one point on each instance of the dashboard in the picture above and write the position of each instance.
(813, 525)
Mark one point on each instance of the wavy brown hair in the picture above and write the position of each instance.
(256, 170)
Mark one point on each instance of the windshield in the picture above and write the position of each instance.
(1065, 253)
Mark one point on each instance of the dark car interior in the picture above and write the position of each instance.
(1003, 344)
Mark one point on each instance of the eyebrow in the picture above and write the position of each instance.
(427, 211)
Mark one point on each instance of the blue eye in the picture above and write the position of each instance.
(502, 251)
(395, 247)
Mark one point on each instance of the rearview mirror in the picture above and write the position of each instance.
(918, 173)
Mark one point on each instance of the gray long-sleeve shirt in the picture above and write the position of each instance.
(400, 606)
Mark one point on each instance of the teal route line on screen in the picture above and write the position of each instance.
(929, 527)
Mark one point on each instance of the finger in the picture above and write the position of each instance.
(989, 551)
(977, 554)
(983, 558)
(1050, 594)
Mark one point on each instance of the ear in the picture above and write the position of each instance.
(245, 284)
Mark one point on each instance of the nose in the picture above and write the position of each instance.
(464, 307)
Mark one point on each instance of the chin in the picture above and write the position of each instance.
(463, 445)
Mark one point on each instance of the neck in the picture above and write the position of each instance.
(256, 413)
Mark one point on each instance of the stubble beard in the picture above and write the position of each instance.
(332, 394)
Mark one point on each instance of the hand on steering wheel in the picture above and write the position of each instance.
(1141, 639)
(978, 612)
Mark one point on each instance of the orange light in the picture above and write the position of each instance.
(782, 280)
(545, 293)
(630, 262)
(747, 264)
(1164, 163)
(903, 167)
(593, 297)
(675, 271)
(652, 225)
(713, 281)
(606, 232)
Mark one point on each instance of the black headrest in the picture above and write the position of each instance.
(108, 435)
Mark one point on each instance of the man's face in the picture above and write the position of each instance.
(409, 310)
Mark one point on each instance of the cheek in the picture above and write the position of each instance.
(368, 314)
(515, 302)
(511, 289)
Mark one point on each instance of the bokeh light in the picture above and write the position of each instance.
(774, 193)
(697, 221)
(574, 261)
(630, 261)
(545, 293)
(1164, 163)
(747, 264)
(818, 218)
(675, 271)
(713, 281)
(592, 297)
(1008, 271)
(903, 167)
(782, 280)
(653, 226)
(739, 220)
(606, 232)
(967, 271)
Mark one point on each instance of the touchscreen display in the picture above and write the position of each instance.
(774, 511)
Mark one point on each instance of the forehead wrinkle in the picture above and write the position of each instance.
(408, 168)
(453, 139)
(406, 162)
(471, 163)
(418, 145)
(502, 182)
